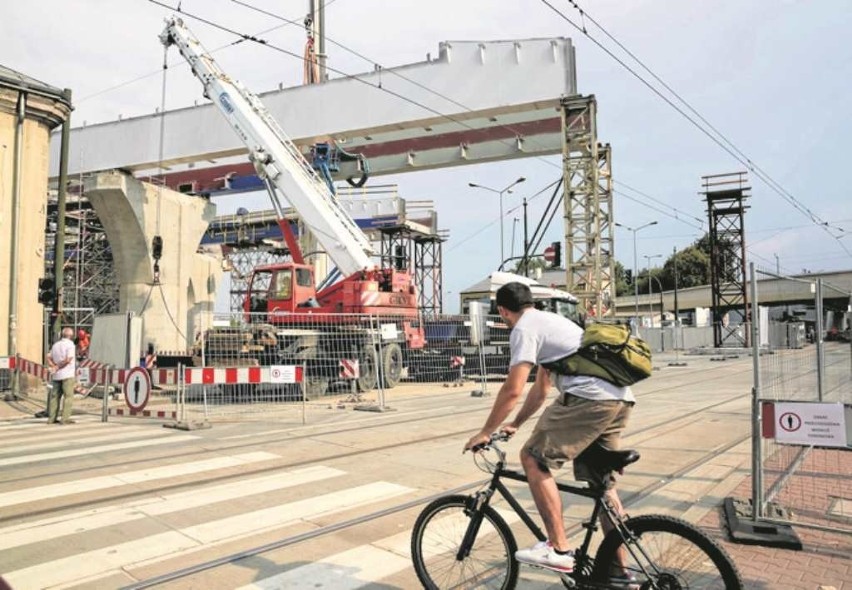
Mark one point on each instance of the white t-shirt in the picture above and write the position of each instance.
(60, 351)
(541, 337)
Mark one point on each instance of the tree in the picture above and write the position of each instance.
(623, 286)
(693, 269)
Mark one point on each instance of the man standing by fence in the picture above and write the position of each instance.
(61, 360)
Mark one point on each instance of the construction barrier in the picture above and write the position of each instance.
(802, 413)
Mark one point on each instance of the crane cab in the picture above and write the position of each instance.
(278, 289)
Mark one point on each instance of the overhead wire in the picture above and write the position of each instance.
(295, 22)
(396, 94)
(724, 143)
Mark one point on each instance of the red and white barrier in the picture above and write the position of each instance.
(349, 369)
(163, 414)
(34, 369)
(7, 362)
(243, 375)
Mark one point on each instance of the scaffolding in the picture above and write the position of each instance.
(725, 194)
(419, 253)
(90, 285)
(587, 183)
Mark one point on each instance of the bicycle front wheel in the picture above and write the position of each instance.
(668, 554)
(437, 538)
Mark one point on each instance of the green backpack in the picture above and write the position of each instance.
(610, 352)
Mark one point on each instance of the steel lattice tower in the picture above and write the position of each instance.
(588, 207)
(725, 194)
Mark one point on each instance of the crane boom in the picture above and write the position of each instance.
(276, 158)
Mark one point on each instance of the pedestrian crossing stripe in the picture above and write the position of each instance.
(135, 445)
(82, 439)
(90, 520)
(90, 565)
(364, 565)
(149, 474)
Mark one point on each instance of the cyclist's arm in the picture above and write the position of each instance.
(535, 397)
(511, 390)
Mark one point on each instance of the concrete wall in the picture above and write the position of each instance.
(665, 339)
(42, 114)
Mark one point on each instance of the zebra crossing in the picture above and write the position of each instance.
(70, 546)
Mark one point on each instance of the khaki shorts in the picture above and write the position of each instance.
(566, 429)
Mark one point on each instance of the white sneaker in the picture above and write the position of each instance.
(542, 554)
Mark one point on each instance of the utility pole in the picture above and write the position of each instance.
(676, 309)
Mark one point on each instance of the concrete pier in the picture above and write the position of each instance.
(175, 306)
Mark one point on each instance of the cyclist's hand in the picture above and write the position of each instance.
(477, 440)
(509, 429)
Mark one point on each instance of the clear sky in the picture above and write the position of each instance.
(775, 77)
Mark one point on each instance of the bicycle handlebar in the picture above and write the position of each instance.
(499, 436)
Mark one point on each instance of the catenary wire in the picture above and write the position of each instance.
(182, 63)
(771, 183)
(357, 78)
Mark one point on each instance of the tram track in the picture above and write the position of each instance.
(628, 500)
(299, 434)
(459, 434)
(682, 421)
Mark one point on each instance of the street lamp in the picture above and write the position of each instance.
(499, 192)
(648, 260)
(635, 268)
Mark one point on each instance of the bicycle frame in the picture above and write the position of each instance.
(483, 497)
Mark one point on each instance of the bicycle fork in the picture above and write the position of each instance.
(475, 509)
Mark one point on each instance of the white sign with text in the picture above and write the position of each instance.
(821, 425)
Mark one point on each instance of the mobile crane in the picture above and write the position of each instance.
(284, 296)
(289, 319)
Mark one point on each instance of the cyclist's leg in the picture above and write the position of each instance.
(610, 439)
(563, 431)
(547, 499)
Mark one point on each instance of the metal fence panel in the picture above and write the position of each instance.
(807, 357)
(346, 357)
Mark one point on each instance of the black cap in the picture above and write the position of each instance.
(514, 296)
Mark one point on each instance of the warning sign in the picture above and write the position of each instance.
(137, 388)
(810, 424)
(83, 375)
(282, 374)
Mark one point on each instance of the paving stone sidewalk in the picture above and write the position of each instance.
(812, 493)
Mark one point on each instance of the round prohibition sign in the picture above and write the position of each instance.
(790, 421)
(137, 389)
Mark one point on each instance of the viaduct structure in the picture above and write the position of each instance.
(475, 102)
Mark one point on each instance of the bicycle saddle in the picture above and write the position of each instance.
(605, 460)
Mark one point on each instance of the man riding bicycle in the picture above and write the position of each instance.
(588, 410)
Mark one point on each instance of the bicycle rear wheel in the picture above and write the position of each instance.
(437, 538)
(675, 555)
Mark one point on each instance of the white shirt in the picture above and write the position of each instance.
(60, 351)
(541, 337)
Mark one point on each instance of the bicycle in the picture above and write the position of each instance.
(463, 542)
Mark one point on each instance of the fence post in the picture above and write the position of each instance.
(380, 370)
(105, 390)
(756, 418)
(304, 391)
(181, 409)
(819, 341)
(16, 378)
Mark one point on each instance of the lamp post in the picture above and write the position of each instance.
(635, 268)
(648, 260)
(514, 225)
(501, 193)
